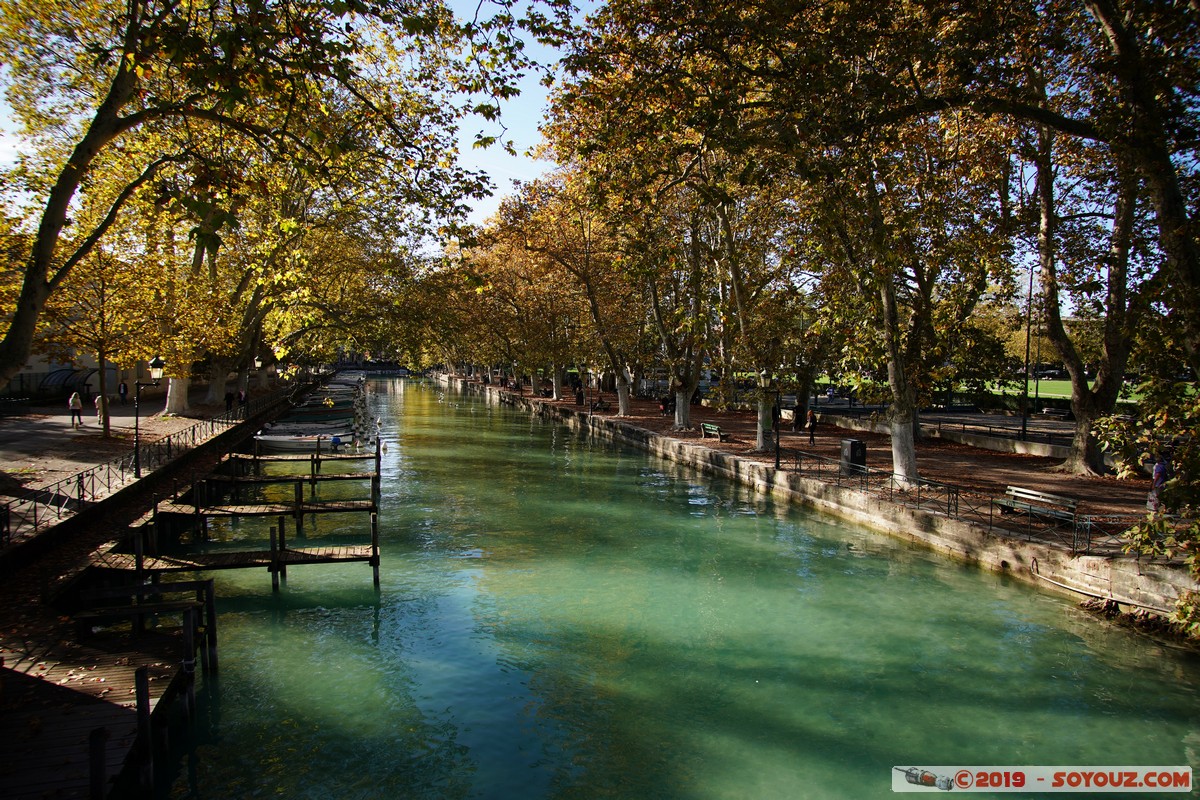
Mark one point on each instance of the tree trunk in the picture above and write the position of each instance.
(766, 404)
(1085, 457)
(1148, 143)
(556, 379)
(177, 396)
(18, 341)
(218, 382)
(102, 382)
(683, 407)
(903, 413)
(804, 390)
(1087, 402)
(623, 391)
(763, 430)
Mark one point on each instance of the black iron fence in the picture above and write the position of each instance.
(1082, 534)
(49, 505)
(1032, 434)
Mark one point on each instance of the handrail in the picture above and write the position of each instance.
(1087, 534)
(41, 508)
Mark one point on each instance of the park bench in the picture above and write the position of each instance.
(1038, 504)
(600, 405)
(708, 429)
(1056, 413)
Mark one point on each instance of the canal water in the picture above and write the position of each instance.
(561, 617)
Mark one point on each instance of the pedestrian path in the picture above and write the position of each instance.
(55, 469)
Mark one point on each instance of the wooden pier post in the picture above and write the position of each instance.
(203, 643)
(145, 739)
(299, 501)
(282, 551)
(274, 563)
(139, 558)
(210, 612)
(375, 548)
(189, 661)
(139, 576)
(98, 764)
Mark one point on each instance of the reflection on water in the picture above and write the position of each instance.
(561, 618)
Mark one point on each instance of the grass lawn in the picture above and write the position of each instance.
(1057, 390)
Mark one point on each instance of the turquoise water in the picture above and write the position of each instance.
(562, 618)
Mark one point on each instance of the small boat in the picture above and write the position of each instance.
(304, 442)
(294, 428)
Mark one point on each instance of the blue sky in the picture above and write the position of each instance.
(521, 116)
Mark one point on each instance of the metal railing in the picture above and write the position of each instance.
(1082, 535)
(47, 506)
(1003, 432)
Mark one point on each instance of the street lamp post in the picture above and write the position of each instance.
(156, 373)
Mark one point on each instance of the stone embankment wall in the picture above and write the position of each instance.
(1152, 587)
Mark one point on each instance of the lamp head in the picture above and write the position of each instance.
(156, 369)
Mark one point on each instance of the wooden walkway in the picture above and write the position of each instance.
(267, 509)
(289, 556)
(85, 698)
(53, 701)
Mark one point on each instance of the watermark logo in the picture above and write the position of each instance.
(1041, 779)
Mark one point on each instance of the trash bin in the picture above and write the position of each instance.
(854, 456)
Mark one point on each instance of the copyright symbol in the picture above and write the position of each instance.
(963, 779)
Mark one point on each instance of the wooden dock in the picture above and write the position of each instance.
(214, 510)
(55, 702)
(74, 709)
(84, 700)
(217, 497)
(266, 559)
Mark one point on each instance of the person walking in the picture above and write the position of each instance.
(1158, 479)
(123, 391)
(99, 409)
(811, 424)
(75, 406)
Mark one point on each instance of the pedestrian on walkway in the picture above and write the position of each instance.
(123, 391)
(75, 405)
(99, 409)
(811, 424)
(1158, 479)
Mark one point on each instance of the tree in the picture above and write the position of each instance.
(1107, 281)
(93, 83)
(561, 220)
(103, 310)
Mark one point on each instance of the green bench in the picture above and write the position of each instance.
(1038, 504)
(708, 429)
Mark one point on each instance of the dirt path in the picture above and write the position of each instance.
(973, 469)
